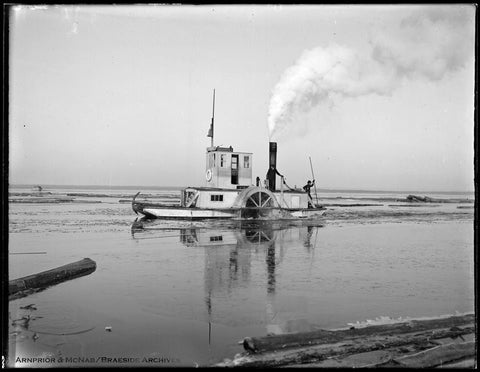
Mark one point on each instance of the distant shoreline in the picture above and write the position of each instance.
(323, 190)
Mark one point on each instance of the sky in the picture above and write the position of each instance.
(378, 97)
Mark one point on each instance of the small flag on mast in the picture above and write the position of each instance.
(210, 130)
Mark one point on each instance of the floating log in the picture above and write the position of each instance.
(29, 193)
(275, 342)
(415, 198)
(412, 205)
(350, 205)
(451, 355)
(41, 200)
(27, 253)
(394, 339)
(85, 194)
(437, 356)
(427, 199)
(30, 284)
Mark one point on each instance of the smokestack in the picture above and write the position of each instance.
(272, 163)
(273, 154)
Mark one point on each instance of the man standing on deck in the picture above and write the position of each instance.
(307, 188)
(271, 173)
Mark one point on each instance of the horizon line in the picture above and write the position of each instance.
(180, 187)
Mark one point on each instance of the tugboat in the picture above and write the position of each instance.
(229, 192)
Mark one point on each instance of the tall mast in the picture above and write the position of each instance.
(213, 116)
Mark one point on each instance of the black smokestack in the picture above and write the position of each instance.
(273, 154)
(272, 163)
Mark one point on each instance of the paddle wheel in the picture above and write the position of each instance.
(259, 199)
(256, 202)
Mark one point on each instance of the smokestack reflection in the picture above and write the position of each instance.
(271, 269)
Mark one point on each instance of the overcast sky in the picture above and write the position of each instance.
(380, 97)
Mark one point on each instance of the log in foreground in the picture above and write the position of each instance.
(419, 343)
(436, 356)
(289, 340)
(33, 283)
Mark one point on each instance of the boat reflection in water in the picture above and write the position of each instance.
(230, 250)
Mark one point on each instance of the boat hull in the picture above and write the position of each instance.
(187, 213)
(250, 203)
(163, 212)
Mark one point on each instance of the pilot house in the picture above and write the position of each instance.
(226, 169)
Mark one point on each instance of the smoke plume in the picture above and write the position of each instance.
(427, 45)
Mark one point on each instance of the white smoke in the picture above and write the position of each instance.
(428, 44)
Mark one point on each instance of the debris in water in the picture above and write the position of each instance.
(108, 329)
(29, 307)
(23, 321)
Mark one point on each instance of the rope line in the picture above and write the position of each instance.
(287, 185)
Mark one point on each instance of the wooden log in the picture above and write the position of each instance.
(354, 346)
(470, 363)
(27, 253)
(30, 284)
(41, 200)
(456, 355)
(352, 205)
(415, 198)
(438, 355)
(283, 341)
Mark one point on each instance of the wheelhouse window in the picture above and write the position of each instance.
(216, 197)
(222, 160)
(246, 161)
(216, 238)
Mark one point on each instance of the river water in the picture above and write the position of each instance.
(184, 293)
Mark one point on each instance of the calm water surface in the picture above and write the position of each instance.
(185, 293)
